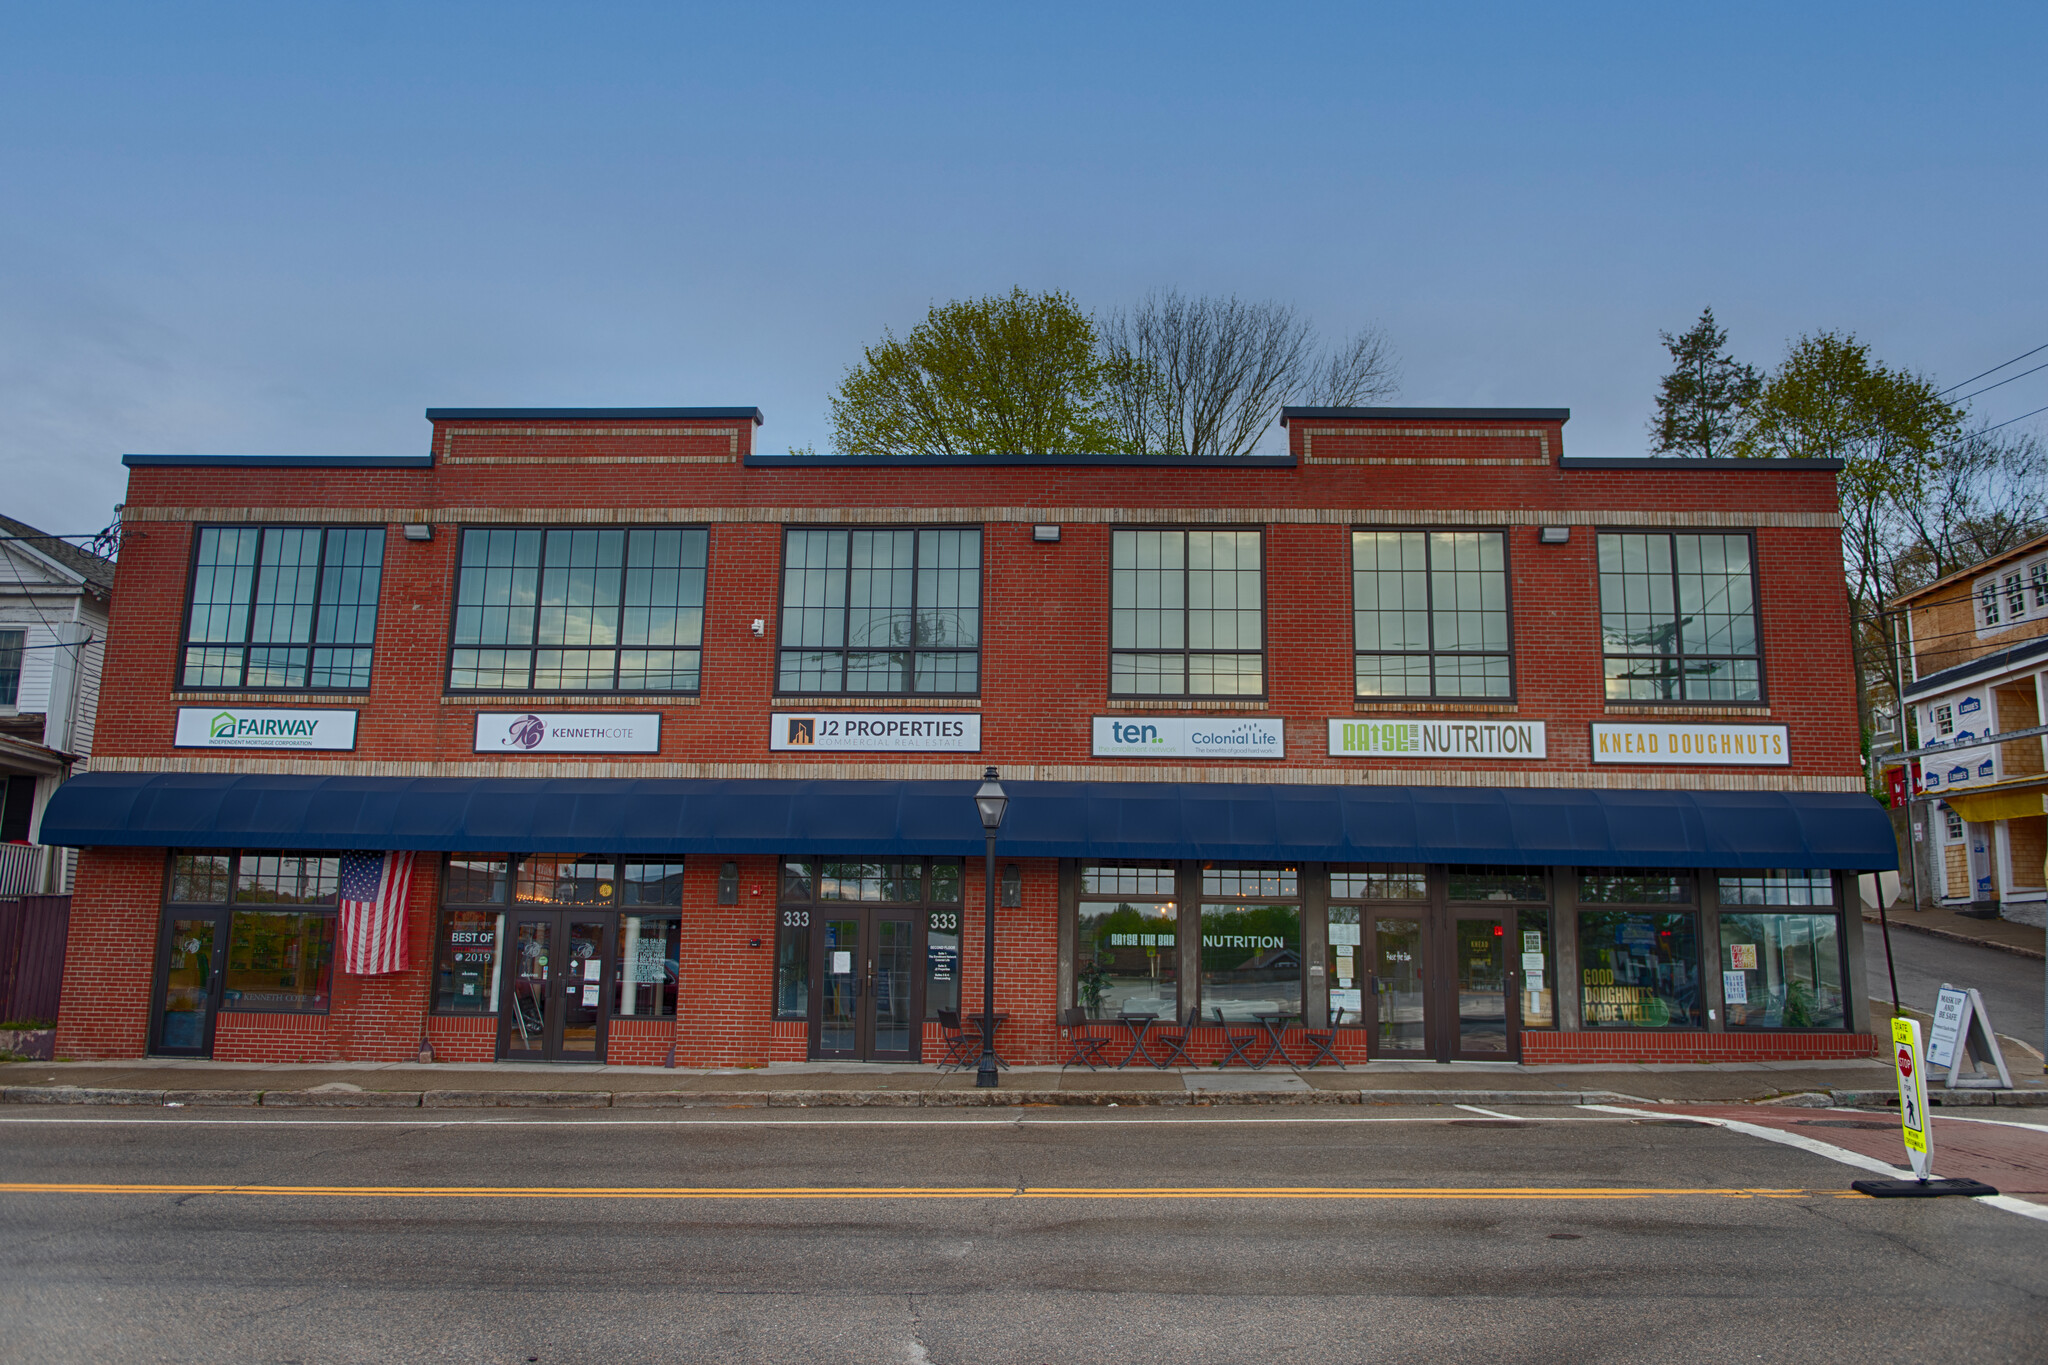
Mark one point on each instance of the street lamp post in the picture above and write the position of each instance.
(989, 802)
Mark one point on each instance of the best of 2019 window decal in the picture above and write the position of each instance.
(872, 732)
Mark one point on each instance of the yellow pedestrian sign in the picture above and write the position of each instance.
(1913, 1120)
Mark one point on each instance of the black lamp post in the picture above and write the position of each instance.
(990, 802)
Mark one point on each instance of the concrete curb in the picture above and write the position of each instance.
(842, 1099)
(1940, 1099)
(1953, 937)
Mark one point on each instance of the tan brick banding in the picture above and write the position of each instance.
(1021, 772)
(448, 455)
(1540, 436)
(917, 516)
(526, 701)
(1170, 704)
(307, 699)
(842, 701)
(1731, 714)
(1366, 705)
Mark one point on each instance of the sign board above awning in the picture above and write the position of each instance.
(1222, 820)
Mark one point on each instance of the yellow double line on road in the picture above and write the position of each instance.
(884, 1192)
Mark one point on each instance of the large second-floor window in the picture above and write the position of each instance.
(881, 611)
(599, 610)
(1430, 613)
(283, 607)
(1186, 614)
(1678, 618)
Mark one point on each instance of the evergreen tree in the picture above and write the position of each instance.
(1700, 411)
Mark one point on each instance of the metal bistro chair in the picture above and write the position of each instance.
(1177, 1041)
(1082, 1046)
(1324, 1040)
(960, 1049)
(1240, 1044)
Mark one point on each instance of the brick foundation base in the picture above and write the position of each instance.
(1547, 1046)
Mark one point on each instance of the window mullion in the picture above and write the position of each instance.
(916, 566)
(619, 612)
(540, 591)
(1187, 621)
(249, 608)
(845, 611)
(319, 587)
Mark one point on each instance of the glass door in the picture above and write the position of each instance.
(1475, 996)
(189, 961)
(1396, 980)
(870, 997)
(556, 978)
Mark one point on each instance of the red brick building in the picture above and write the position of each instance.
(1423, 734)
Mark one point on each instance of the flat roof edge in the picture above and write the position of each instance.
(595, 415)
(761, 461)
(1769, 466)
(278, 461)
(1482, 415)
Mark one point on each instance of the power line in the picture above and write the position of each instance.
(1995, 369)
(2003, 382)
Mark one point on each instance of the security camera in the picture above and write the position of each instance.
(760, 627)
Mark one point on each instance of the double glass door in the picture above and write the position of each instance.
(191, 953)
(867, 963)
(557, 987)
(1438, 984)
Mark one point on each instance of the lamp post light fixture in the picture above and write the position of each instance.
(990, 802)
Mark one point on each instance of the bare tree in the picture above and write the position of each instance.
(1206, 376)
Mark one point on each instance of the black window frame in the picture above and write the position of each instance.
(533, 650)
(1763, 680)
(794, 917)
(1187, 652)
(1507, 566)
(846, 607)
(225, 909)
(186, 644)
(12, 654)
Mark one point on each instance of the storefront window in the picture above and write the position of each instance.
(279, 960)
(651, 884)
(1347, 994)
(1248, 881)
(287, 879)
(1142, 880)
(890, 883)
(1251, 960)
(200, 878)
(1778, 886)
(1497, 884)
(649, 959)
(1126, 958)
(942, 957)
(566, 879)
(1539, 1000)
(1782, 970)
(477, 881)
(1638, 968)
(466, 961)
(1631, 886)
(1349, 971)
(1380, 882)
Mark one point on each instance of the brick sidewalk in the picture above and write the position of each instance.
(2003, 1154)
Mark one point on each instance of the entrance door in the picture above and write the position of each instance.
(191, 950)
(557, 987)
(1440, 985)
(869, 1002)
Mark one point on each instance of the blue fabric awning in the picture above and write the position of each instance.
(1227, 821)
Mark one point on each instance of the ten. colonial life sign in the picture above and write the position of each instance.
(237, 727)
(1760, 745)
(843, 731)
(1390, 737)
(567, 732)
(1189, 737)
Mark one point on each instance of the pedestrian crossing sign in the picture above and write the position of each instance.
(1913, 1121)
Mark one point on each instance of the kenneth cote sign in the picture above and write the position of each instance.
(235, 727)
(1189, 737)
(871, 732)
(566, 732)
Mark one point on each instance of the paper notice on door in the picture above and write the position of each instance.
(842, 964)
(1532, 962)
(1344, 933)
(1532, 941)
(590, 995)
(1735, 988)
(1742, 956)
(591, 968)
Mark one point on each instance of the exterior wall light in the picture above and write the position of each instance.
(419, 530)
(1554, 535)
(1049, 535)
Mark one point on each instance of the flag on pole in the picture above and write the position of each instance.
(373, 891)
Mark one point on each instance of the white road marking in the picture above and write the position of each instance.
(1492, 1114)
(821, 1121)
(1832, 1153)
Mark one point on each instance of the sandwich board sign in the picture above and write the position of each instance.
(1913, 1121)
(1961, 1034)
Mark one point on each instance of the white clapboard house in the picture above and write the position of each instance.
(53, 625)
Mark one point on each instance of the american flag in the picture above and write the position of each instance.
(373, 891)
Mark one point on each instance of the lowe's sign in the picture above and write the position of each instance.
(1186, 737)
(236, 727)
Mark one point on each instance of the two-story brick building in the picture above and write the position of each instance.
(1422, 731)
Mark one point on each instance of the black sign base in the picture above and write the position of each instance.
(1919, 1189)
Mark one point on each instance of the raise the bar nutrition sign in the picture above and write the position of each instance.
(1405, 737)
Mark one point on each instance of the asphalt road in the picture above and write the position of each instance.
(1498, 1243)
(2014, 987)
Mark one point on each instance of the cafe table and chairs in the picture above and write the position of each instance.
(1238, 1042)
(1137, 1023)
(986, 1026)
(960, 1049)
(1176, 1041)
(1077, 1036)
(1274, 1022)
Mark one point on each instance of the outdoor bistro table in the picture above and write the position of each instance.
(1275, 1024)
(1139, 1025)
(1001, 1018)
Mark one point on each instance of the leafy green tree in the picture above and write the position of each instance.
(1891, 430)
(1701, 406)
(1015, 374)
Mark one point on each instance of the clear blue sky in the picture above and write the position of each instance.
(290, 228)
